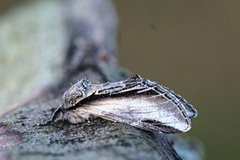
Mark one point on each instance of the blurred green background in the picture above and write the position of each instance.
(193, 48)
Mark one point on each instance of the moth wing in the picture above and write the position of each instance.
(153, 113)
(190, 110)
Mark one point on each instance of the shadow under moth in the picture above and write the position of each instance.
(136, 101)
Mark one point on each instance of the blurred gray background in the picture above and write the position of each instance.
(193, 48)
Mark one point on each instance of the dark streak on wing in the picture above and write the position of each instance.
(164, 128)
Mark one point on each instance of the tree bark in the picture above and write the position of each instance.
(91, 53)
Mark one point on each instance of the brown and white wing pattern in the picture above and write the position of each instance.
(136, 101)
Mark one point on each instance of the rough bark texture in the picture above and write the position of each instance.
(91, 53)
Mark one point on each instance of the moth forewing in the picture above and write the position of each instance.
(153, 114)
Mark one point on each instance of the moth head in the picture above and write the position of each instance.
(76, 93)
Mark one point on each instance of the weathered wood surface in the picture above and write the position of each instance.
(92, 45)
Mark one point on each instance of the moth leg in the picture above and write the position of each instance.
(75, 116)
(57, 115)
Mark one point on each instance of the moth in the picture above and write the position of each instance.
(136, 101)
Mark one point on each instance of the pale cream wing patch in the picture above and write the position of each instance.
(154, 113)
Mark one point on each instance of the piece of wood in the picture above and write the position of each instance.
(92, 45)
